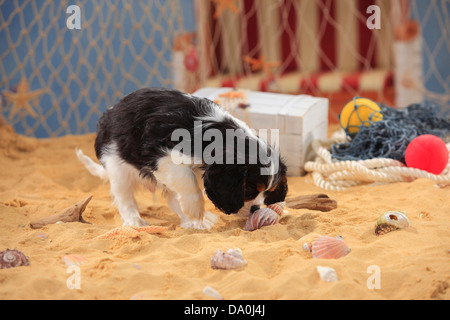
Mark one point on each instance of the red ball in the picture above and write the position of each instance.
(427, 152)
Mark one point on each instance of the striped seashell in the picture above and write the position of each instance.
(74, 260)
(391, 220)
(277, 207)
(228, 260)
(327, 247)
(265, 216)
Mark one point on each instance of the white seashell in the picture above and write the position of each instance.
(138, 296)
(228, 260)
(307, 246)
(326, 247)
(327, 274)
(391, 220)
(212, 293)
(42, 236)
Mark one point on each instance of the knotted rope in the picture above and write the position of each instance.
(337, 175)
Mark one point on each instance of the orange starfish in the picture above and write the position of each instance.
(261, 64)
(224, 4)
(232, 94)
(130, 232)
(21, 98)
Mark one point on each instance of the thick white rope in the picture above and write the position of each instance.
(340, 175)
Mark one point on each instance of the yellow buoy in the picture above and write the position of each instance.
(359, 111)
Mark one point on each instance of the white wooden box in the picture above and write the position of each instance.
(300, 119)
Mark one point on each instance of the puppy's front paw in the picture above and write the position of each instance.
(135, 222)
(208, 222)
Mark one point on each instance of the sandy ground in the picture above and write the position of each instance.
(39, 178)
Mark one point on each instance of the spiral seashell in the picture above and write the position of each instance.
(326, 247)
(391, 220)
(265, 216)
(228, 260)
(12, 259)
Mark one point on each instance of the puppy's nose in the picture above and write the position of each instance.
(254, 208)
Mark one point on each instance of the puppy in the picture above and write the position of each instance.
(156, 137)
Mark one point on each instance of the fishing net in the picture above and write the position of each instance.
(389, 137)
(74, 74)
(69, 77)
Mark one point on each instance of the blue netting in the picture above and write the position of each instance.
(390, 137)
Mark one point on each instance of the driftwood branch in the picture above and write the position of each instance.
(318, 201)
(71, 214)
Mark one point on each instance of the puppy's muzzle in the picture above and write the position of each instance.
(254, 208)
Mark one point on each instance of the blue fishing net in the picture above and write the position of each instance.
(389, 137)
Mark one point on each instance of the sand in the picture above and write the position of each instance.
(42, 177)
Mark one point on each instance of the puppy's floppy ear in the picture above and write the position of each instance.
(224, 185)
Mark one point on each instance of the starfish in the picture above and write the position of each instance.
(232, 94)
(21, 98)
(130, 232)
(261, 64)
(224, 4)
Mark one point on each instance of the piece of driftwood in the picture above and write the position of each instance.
(71, 214)
(317, 201)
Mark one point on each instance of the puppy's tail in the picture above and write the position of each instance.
(94, 168)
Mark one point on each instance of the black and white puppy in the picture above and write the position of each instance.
(138, 142)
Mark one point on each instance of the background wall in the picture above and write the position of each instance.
(55, 81)
(435, 26)
(73, 75)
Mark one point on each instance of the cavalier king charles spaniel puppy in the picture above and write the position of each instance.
(138, 142)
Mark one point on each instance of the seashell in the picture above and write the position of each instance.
(228, 260)
(265, 216)
(138, 296)
(307, 246)
(209, 291)
(13, 258)
(326, 247)
(391, 220)
(277, 207)
(327, 274)
(307, 240)
(42, 236)
(74, 260)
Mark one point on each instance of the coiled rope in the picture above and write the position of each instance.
(337, 175)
